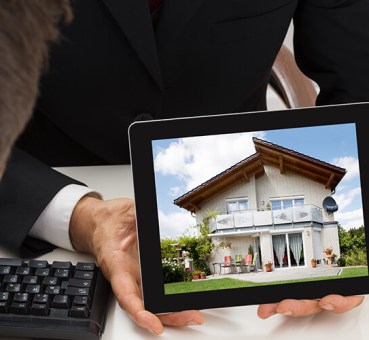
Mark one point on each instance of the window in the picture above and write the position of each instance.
(286, 203)
(237, 205)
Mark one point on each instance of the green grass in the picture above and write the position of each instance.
(227, 283)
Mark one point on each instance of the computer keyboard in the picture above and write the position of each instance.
(52, 301)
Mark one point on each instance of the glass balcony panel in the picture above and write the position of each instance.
(224, 221)
(244, 219)
(302, 213)
(282, 216)
(263, 218)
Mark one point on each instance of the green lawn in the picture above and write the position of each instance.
(226, 283)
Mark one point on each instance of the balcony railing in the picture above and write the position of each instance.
(255, 218)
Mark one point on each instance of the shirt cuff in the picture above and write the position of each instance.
(53, 223)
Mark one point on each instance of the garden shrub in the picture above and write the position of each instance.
(341, 262)
(172, 271)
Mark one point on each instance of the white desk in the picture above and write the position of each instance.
(233, 323)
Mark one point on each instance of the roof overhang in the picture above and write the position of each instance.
(266, 154)
(241, 171)
(291, 161)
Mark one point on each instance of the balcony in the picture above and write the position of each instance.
(255, 218)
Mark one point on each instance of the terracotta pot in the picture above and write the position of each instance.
(196, 277)
(313, 264)
(329, 257)
(268, 268)
(203, 276)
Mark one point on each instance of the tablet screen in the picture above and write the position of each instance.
(259, 208)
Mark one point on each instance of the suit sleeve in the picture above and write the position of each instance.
(25, 190)
(332, 47)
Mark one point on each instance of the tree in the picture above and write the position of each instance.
(353, 245)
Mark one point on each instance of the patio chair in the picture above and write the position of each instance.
(227, 263)
(238, 263)
(248, 260)
(253, 265)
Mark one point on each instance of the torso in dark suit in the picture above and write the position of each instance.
(203, 57)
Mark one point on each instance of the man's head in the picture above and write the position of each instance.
(26, 29)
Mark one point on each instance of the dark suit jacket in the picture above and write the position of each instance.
(203, 57)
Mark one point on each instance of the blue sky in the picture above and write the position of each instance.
(182, 164)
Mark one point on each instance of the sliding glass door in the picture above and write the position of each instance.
(288, 250)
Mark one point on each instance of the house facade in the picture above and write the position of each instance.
(272, 201)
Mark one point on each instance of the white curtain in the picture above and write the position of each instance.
(295, 241)
(279, 245)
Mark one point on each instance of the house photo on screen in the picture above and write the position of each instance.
(260, 208)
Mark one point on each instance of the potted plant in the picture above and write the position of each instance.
(187, 276)
(196, 275)
(313, 263)
(329, 254)
(203, 275)
(268, 266)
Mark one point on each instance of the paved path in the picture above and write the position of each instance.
(282, 274)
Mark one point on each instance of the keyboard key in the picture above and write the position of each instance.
(19, 308)
(42, 272)
(11, 279)
(61, 301)
(53, 290)
(38, 264)
(33, 289)
(11, 262)
(85, 266)
(30, 280)
(77, 291)
(21, 297)
(61, 265)
(39, 309)
(79, 283)
(79, 312)
(4, 307)
(81, 301)
(64, 285)
(48, 280)
(62, 273)
(13, 288)
(23, 271)
(41, 299)
(4, 270)
(4, 296)
(79, 274)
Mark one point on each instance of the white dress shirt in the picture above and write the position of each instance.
(53, 223)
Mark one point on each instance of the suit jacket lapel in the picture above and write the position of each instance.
(174, 16)
(134, 18)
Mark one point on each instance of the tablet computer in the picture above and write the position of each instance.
(251, 208)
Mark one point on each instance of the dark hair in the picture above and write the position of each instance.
(26, 29)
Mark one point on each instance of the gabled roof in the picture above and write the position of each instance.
(267, 153)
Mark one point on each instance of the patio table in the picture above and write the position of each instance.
(225, 264)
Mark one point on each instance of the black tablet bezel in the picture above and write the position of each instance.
(142, 134)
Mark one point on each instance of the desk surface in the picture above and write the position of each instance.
(236, 322)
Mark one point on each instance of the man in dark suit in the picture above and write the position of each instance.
(123, 61)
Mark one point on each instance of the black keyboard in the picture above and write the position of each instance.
(52, 301)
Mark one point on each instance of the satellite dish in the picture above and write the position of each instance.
(330, 205)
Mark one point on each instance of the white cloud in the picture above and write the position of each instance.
(196, 159)
(351, 164)
(350, 219)
(345, 198)
(174, 191)
(175, 224)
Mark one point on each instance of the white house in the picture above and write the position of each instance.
(272, 201)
